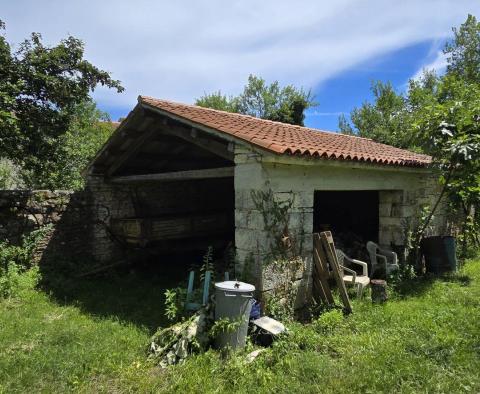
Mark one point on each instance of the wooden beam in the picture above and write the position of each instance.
(321, 271)
(134, 147)
(194, 137)
(222, 172)
(329, 247)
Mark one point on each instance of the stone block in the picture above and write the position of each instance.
(254, 240)
(243, 199)
(277, 274)
(397, 210)
(251, 219)
(390, 221)
(385, 209)
(408, 211)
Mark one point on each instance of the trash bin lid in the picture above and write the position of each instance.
(235, 286)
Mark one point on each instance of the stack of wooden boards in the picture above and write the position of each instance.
(140, 231)
(326, 266)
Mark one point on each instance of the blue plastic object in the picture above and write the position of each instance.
(255, 312)
(193, 306)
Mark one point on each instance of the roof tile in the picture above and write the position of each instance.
(282, 138)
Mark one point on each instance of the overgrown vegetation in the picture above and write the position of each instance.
(281, 261)
(424, 339)
(440, 116)
(16, 266)
(49, 126)
(176, 298)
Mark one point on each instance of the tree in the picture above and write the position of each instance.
(464, 51)
(450, 127)
(287, 104)
(219, 101)
(390, 116)
(88, 131)
(440, 116)
(382, 121)
(40, 90)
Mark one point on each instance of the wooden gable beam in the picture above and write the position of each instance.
(198, 138)
(145, 134)
(222, 172)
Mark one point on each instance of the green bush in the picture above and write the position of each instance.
(13, 280)
(328, 322)
(10, 177)
(16, 266)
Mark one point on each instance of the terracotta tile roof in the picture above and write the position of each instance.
(289, 139)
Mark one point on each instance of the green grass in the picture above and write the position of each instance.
(90, 336)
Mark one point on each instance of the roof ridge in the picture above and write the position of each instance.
(284, 138)
(141, 97)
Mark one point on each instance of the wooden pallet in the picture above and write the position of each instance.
(326, 265)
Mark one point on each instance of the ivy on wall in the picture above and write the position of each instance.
(282, 257)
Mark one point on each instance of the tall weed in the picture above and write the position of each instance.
(16, 264)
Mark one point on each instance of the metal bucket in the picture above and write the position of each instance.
(233, 302)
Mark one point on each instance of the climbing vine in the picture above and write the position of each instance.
(282, 262)
(276, 218)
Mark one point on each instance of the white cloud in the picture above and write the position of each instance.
(179, 50)
(319, 113)
(438, 64)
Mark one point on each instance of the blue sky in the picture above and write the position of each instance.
(180, 50)
(349, 89)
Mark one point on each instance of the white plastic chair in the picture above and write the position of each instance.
(382, 257)
(358, 281)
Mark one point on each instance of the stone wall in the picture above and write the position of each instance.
(80, 220)
(402, 193)
(399, 211)
(110, 201)
(69, 213)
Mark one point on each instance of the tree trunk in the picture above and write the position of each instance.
(379, 291)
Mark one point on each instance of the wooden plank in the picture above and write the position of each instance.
(319, 290)
(139, 230)
(321, 254)
(329, 247)
(324, 286)
(319, 276)
(222, 172)
(96, 165)
(196, 137)
(322, 269)
(134, 147)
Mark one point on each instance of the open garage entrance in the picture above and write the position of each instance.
(351, 216)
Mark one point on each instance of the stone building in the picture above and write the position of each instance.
(179, 177)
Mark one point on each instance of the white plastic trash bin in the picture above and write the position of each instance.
(233, 301)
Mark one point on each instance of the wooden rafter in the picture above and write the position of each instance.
(134, 147)
(222, 172)
(197, 138)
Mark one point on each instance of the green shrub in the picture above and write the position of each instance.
(13, 280)
(16, 266)
(10, 175)
(175, 303)
(328, 322)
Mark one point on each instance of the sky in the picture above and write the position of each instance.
(179, 50)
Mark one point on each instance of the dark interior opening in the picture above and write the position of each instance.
(176, 222)
(351, 216)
